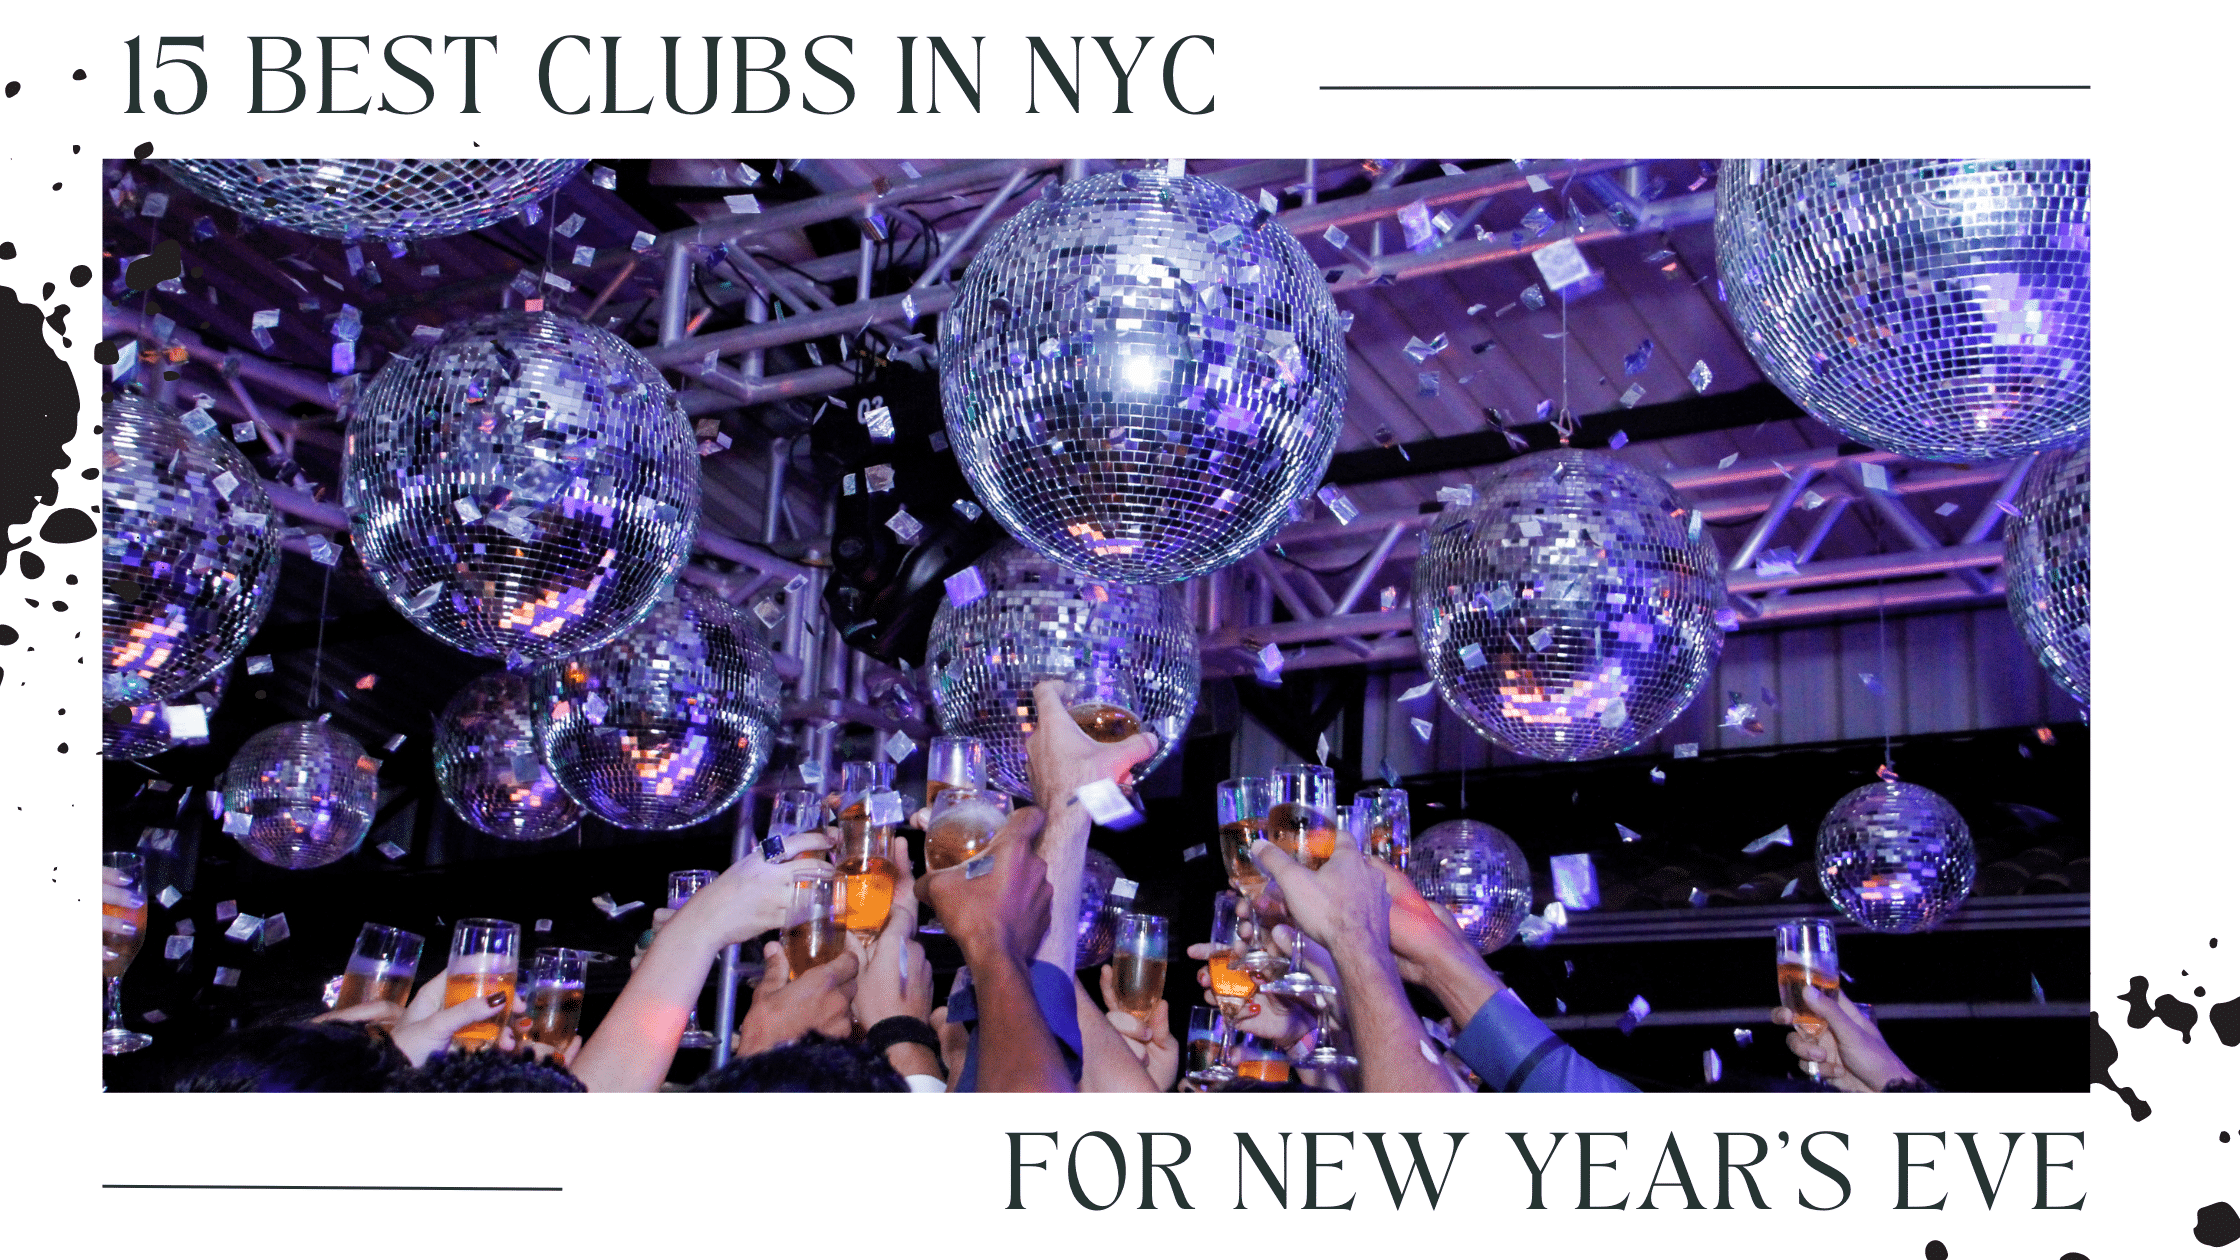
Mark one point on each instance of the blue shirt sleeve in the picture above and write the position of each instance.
(1053, 996)
(1511, 1050)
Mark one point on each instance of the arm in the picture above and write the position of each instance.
(997, 909)
(1060, 758)
(1108, 1066)
(895, 982)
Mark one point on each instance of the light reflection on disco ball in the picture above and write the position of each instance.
(488, 765)
(1573, 577)
(130, 731)
(388, 199)
(1479, 874)
(523, 488)
(190, 555)
(1896, 857)
(307, 790)
(1939, 308)
(1100, 915)
(665, 726)
(2049, 568)
(1141, 375)
(1039, 620)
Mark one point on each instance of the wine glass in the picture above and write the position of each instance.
(124, 922)
(381, 967)
(1804, 955)
(485, 959)
(682, 884)
(864, 857)
(794, 811)
(1102, 701)
(1139, 964)
(1209, 1047)
(1302, 821)
(1382, 815)
(556, 984)
(814, 931)
(955, 761)
(1242, 806)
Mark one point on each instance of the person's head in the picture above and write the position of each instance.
(293, 1059)
(487, 1072)
(816, 1064)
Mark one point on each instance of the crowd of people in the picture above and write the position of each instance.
(1018, 1018)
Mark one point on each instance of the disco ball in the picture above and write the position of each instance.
(130, 731)
(1100, 915)
(303, 790)
(1479, 874)
(190, 554)
(524, 487)
(488, 765)
(1939, 308)
(665, 726)
(2049, 568)
(1896, 857)
(1565, 613)
(1141, 374)
(1039, 620)
(388, 199)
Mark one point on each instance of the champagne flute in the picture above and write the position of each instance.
(1327, 1055)
(556, 984)
(1209, 1047)
(682, 884)
(1242, 806)
(485, 960)
(1226, 973)
(124, 923)
(1804, 954)
(955, 761)
(864, 858)
(1382, 813)
(1258, 1060)
(794, 811)
(814, 931)
(1102, 701)
(961, 823)
(1302, 821)
(1139, 964)
(381, 967)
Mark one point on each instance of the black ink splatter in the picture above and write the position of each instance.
(143, 151)
(2216, 1225)
(8, 636)
(2180, 1016)
(2225, 1018)
(7, 249)
(81, 276)
(68, 526)
(43, 417)
(1934, 1251)
(34, 567)
(158, 265)
(2104, 1058)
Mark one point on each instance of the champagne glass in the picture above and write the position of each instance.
(1804, 953)
(485, 960)
(682, 884)
(865, 856)
(1302, 821)
(955, 761)
(1242, 806)
(1382, 815)
(1257, 1060)
(556, 983)
(1209, 1047)
(1327, 1055)
(124, 922)
(1102, 701)
(1139, 964)
(814, 931)
(793, 811)
(961, 823)
(381, 967)
(1231, 980)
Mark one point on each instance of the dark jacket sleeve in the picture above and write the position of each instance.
(1511, 1050)
(1053, 996)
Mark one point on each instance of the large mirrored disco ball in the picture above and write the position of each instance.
(388, 199)
(525, 487)
(1896, 857)
(1479, 874)
(131, 731)
(1939, 308)
(190, 554)
(1040, 620)
(2049, 567)
(488, 764)
(1566, 613)
(300, 794)
(665, 726)
(1141, 374)
(1099, 913)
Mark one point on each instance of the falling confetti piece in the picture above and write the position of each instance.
(1779, 836)
(1422, 728)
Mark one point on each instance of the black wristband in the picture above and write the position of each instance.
(897, 1029)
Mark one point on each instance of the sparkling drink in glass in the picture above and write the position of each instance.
(682, 884)
(1805, 956)
(1303, 821)
(864, 857)
(1242, 808)
(794, 811)
(381, 967)
(1139, 963)
(1381, 814)
(814, 931)
(955, 761)
(124, 924)
(1227, 974)
(485, 960)
(556, 984)
(1258, 1060)
(1208, 1047)
(1103, 704)
(961, 823)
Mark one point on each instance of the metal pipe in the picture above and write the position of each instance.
(758, 311)
(606, 294)
(1368, 571)
(1821, 528)
(1665, 215)
(940, 265)
(1988, 519)
(804, 297)
(676, 286)
(774, 491)
(256, 415)
(727, 970)
(1307, 196)
(1896, 564)
(1076, 169)
(1783, 500)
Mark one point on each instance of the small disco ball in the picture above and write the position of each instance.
(2049, 567)
(1939, 308)
(190, 555)
(1566, 613)
(1039, 620)
(1141, 374)
(1100, 915)
(524, 487)
(1896, 857)
(299, 795)
(1479, 874)
(488, 765)
(665, 726)
(386, 199)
